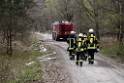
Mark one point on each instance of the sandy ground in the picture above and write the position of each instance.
(62, 70)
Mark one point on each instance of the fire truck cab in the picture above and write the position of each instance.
(61, 30)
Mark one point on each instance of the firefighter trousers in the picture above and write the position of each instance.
(79, 58)
(91, 55)
(71, 55)
(85, 55)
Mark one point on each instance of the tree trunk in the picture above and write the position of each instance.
(7, 38)
(9, 30)
(121, 22)
(96, 18)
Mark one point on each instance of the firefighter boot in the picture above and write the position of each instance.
(73, 57)
(89, 59)
(92, 62)
(85, 57)
(77, 63)
(70, 57)
(81, 64)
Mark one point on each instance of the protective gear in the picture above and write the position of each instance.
(92, 47)
(85, 37)
(85, 46)
(79, 45)
(91, 56)
(72, 32)
(91, 31)
(79, 58)
(80, 35)
(92, 42)
(79, 50)
(71, 40)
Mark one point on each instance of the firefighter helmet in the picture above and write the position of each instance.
(91, 31)
(72, 32)
(80, 35)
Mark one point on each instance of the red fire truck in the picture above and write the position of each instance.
(61, 30)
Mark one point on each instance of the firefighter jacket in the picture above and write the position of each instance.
(71, 40)
(85, 41)
(85, 37)
(92, 42)
(80, 44)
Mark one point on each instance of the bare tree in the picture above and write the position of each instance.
(15, 17)
(64, 8)
(92, 8)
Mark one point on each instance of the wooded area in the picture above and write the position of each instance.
(21, 18)
(15, 21)
(106, 17)
(17, 18)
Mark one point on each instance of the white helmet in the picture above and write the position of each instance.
(91, 31)
(80, 35)
(72, 32)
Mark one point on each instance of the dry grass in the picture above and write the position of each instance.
(14, 70)
(111, 48)
(108, 42)
(109, 45)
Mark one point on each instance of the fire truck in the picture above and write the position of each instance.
(61, 30)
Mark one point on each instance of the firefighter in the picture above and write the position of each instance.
(79, 49)
(71, 40)
(85, 47)
(92, 46)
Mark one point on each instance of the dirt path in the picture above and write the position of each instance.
(56, 71)
(101, 72)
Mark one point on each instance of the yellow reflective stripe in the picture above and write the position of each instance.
(77, 60)
(82, 42)
(79, 44)
(71, 42)
(80, 60)
(71, 48)
(81, 49)
(91, 40)
(85, 38)
(79, 39)
(91, 47)
(77, 50)
(92, 60)
(89, 56)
